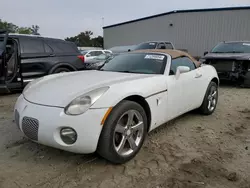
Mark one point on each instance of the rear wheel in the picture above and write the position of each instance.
(123, 133)
(210, 100)
(61, 70)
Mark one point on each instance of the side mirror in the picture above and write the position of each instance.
(180, 70)
(205, 53)
(88, 55)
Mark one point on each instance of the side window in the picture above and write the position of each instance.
(59, 46)
(96, 53)
(187, 62)
(174, 64)
(92, 53)
(161, 46)
(48, 49)
(181, 61)
(107, 52)
(168, 45)
(31, 45)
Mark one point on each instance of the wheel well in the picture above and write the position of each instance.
(140, 100)
(65, 66)
(62, 66)
(215, 80)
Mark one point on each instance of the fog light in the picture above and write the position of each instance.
(68, 135)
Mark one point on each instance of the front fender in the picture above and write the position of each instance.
(105, 102)
(209, 73)
(142, 87)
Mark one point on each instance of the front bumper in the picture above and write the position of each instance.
(42, 124)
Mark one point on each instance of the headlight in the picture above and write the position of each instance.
(82, 103)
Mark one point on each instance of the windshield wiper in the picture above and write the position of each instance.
(235, 52)
(219, 52)
(227, 52)
(124, 71)
(134, 72)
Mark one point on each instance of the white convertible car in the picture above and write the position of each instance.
(112, 109)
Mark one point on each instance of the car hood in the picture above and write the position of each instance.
(60, 89)
(237, 56)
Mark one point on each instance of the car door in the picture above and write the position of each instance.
(190, 83)
(169, 105)
(34, 58)
(9, 62)
(174, 106)
(3, 66)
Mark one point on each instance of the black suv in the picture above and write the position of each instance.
(26, 57)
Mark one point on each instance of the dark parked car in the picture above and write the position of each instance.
(231, 60)
(26, 57)
(97, 62)
(122, 49)
(154, 45)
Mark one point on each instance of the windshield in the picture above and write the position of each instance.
(142, 63)
(148, 45)
(234, 47)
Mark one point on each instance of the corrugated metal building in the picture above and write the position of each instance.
(194, 30)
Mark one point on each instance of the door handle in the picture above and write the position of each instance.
(52, 55)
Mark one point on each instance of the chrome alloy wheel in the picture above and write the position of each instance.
(212, 98)
(128, 133)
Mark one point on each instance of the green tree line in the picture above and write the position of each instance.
(82, 39)
(85, 39)
(12, 28)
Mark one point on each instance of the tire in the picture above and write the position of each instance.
(60, 70)
(211, 97)
(112, 135)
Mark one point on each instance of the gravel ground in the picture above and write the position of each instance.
(192, 151)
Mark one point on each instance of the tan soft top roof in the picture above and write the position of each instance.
(173, 53)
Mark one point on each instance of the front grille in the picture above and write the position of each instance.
(17, 116)
(223, 65)
(30, 127)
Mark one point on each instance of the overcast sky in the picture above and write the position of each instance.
(63, 18)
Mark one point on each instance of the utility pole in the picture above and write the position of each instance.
(102, 21)
(102, 30)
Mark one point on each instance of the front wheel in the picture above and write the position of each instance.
(123, 133)
(210, 99)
